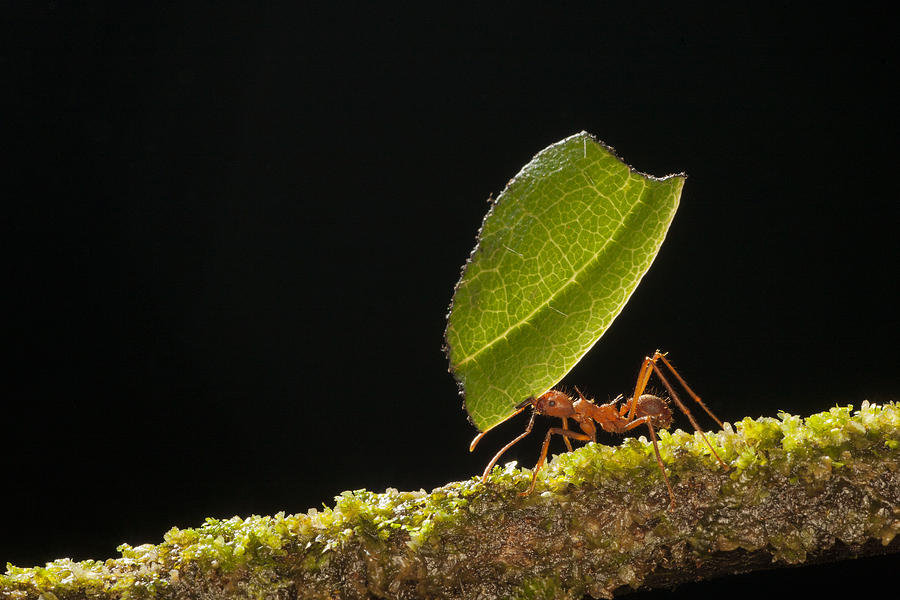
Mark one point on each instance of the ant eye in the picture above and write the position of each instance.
(552, 403)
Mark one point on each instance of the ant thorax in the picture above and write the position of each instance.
(607, 416)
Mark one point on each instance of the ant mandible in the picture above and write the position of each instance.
(648, 410)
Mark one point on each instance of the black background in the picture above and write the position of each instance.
(231, 259)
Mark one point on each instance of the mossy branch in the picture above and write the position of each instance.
(798, 490)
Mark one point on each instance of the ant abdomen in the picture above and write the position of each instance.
(654, 407)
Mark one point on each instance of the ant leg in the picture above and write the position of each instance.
(497, 456)
(685, 410)
(659, 461)
(478, 437)
(567, 433)
(684, 384)
(648, 367)
(641, 384)
(566, 439)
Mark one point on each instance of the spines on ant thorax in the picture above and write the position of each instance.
(607, 416)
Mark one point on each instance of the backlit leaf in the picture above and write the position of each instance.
(558, 255)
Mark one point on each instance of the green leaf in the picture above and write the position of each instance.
(559, 253)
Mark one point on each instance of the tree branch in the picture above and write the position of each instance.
(798, 490)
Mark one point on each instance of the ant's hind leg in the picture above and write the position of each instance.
(687, 412)
(566, 433)
(641, 384)
(691, 393)
(648, 367)
(659, 461)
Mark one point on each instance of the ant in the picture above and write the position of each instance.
(649, 410)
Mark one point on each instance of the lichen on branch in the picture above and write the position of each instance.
(797, 489)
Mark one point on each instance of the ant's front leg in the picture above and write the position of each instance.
(566, 433)
(487, 470)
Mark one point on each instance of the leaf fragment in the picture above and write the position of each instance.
(558, 255)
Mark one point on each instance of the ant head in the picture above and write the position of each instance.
(554, 404)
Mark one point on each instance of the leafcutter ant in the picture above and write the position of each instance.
(617, 416)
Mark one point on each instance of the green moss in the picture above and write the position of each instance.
(596, 519)
(542, 588)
